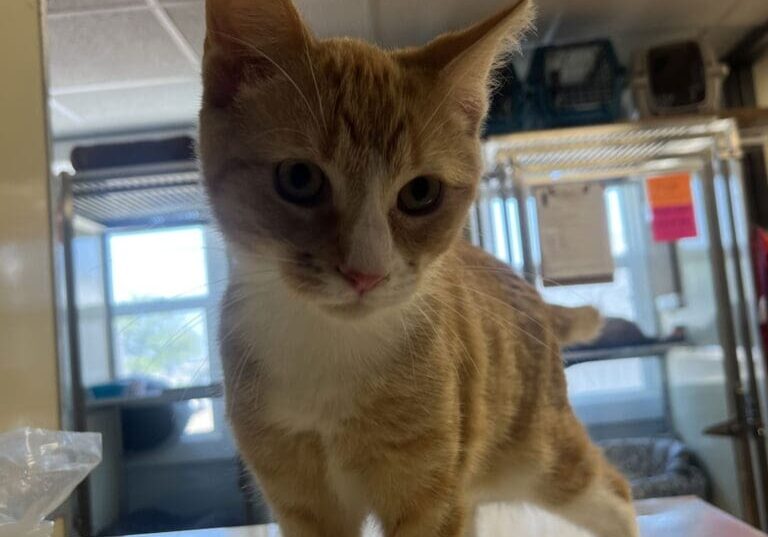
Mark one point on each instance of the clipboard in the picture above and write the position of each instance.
(573, 234)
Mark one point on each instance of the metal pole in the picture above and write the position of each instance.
(754, 414)
(725, 321)
(485, 225)
(473, 225)
(505, 215)
(83, 523)
(522, 194)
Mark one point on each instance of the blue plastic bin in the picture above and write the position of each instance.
(576, 84)
(110, 390)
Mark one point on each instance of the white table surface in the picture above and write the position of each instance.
(674, 517)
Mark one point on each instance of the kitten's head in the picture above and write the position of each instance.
(344, 168)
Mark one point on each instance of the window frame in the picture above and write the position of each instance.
(207, 302)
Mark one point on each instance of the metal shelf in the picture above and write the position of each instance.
(618, 353)
(140, 195)
(166, 397)
(604, 152)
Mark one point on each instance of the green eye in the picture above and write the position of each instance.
(300, 182)
(421, 196)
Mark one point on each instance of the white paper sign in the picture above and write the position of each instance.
(573, 234)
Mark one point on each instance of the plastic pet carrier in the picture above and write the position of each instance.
(677, 78)
(508, 106)
(576, 84)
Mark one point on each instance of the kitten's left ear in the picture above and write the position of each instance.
(248, 36)
(466, 59)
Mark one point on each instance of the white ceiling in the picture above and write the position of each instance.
(121, 65)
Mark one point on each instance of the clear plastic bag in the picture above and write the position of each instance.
(39, 469)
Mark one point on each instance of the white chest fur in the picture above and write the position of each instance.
(315, 368)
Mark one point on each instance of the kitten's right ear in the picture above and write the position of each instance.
(465, 60)
(248, 38)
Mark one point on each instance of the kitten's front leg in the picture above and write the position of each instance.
(291, 469)
(413, 487)
(428, 516)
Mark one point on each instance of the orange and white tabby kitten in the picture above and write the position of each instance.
(375, 363)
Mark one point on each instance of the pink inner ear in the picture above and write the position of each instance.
(221, 79)
(242, 35)
(224, 76)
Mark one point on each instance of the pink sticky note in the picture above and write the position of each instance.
(674, 223)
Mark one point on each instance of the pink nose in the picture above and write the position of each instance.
(361, 282)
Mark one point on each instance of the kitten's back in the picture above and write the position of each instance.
(571, 324)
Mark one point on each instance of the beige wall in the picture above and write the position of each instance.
(28, 372)
(761, 81)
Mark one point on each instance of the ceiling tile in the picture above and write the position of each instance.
(633, 42)
(620, 18)
(121, 110)
(130, 46)
(761, 81)
(109, 47)
(747, 13)
(405, 22)
(619, 15)
(189, 17)
(329, 18)
(723, 39)
(63, 6)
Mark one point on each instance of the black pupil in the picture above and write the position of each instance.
(300, 176)
(420, 189)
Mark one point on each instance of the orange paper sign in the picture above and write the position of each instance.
(672, 190)
(671, 204)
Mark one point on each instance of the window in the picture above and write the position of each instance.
(496, 227)
(159, 294)
(158, 265)
(161, 312)
(167, 345)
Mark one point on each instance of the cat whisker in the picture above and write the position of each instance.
(280, 68)
(238, 378)
(459, 339)
(517, 310)
(409, 347)
(314, 80)
(253, 292)
(203, 362)
(301, 134)
(434, 113)
(500, 322)
(503, 270)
